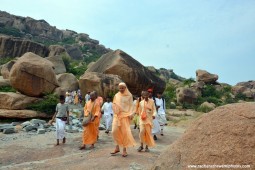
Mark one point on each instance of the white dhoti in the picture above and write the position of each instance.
(162, 119)
(60, 128)
(108, 121)
(156, 126)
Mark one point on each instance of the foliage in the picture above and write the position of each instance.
(47, 105)
(94, 57)
(67, 61)
(5, 60)
(240, 96)
(170, 94)
(11, 31)
(204, 109)
(77, 70)
(68, 40)
(7, 89)
(188, 82)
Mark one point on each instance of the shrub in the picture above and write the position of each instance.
(204, 109)
(5, 60)
(68, 40)
(11, 31)
(47, 105)
(188, 82)
(169, 94)
(7, 89)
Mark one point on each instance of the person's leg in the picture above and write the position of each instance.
(140, 148)
(147, 148)
(124, 154)
(57, 142)
(117, 149)
(162, 128)
(64, 140)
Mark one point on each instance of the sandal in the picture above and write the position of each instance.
(147, 150)
(82, 148)
(124, 155)
(116, 151)
(140, 149)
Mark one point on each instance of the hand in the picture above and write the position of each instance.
(153, 117)
(131, 117)
(92, 119)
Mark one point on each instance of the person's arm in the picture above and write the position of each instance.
(154, 111)
(67, 112)
(97, 111)
(102, 109)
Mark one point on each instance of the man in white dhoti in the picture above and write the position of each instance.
(62, 117)
(161, 106)
(108, 112)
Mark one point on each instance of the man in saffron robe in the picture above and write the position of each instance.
(90, 132)
(123, 114)
(147, 112)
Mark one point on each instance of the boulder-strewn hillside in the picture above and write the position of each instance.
(78, 46)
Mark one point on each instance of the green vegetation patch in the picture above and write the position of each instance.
(47, 105)
(7, 89)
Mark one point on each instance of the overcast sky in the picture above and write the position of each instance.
(183, 35)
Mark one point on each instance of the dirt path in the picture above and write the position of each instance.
(31, 151)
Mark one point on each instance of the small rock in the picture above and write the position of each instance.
(41, 131)
(46, 125)
(37, 121)
(6, 126)
(72, 131)
(75, 121)
(30, 128)
(24, 124)
(9, 131)
(15, 123)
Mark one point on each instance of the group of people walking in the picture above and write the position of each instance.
(149, 112)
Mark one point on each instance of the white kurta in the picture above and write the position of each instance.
(108, 112)
(161, 111)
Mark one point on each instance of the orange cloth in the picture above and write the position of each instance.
(122, 108)
(146, 135)
(146, 125)
(150, 110)
(76, 99)
(90, 131)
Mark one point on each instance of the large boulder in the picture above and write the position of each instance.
(68, 82)
(15, 101)
(224, 136)
(74, 52)
(186, 95)
(134, 74)
(33, 75)
(6, 68)
(22, 114)
(56, 50)
(58, 64)
(206, 77)
(16, 47)
(245, 88)
(104, 84)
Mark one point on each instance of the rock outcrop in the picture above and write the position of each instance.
(68, 82)
(245, 88)
(56, 50)
(6, 68)
(15, 101)
(4, 82)
(104, 84)
(16, 47)
(58, 64)
(33, 75)
(206, 77)
(186, 95)
(224, 136)
(22, 114)
(133, 73)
